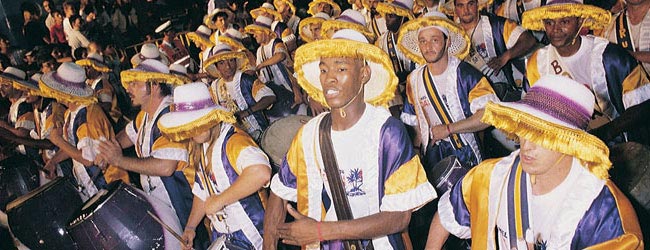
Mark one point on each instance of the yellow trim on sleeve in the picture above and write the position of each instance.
(237, 143)
(482, 88)
(407, 177)
(636, 79)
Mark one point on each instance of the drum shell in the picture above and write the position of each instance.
(119, 220)
(277, 138)
(446, 173)
(18, 176)
(39, 221)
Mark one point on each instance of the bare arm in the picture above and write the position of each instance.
(111, 153)
(20, 132)
(274, 215)
(275, 59)
(642, 56)
(437, 234)
(9, 136)
(524, 44)
(251, 180)
(264, 103)
(468, 125)
(69, 149)
(123, 139)
(196, 216)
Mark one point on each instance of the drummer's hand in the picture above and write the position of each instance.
(438, 132)
(50, 166)
(303, 231)
(188, 239)
(316, 107)
(56, 135)
(240, 115)
(213, 205)
(110, 151)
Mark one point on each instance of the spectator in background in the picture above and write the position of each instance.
(57, 33)
(49, 20)
(34, 32)
(68, 11)
(75, 38)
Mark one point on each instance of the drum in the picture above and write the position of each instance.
(39, 218)
(18, 176)
(277, 138)
(631, 172)
(283, 102)
(117, 218)
(446, 173)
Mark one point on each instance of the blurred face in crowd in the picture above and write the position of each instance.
(324, 7)
(342, 78)
(315, 29)
(139, 93)
(68, 10)
(47, 67)
(261, 37)
(373, 3)
(562, 31)
(227, 68)
(466, 10)
(7, 90)
(393, 22)
(31, 98)
(46, 6)
(284, 9)
(429, 3)
(221, 23)
(27, 16)
(432, 44)
(58, 19)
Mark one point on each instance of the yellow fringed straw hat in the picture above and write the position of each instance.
(594, 18)
(67, 84)
(222, 52)
(192, 112)
(201, 36)
(266, 8)
(96, 61)
(350, 44)
(407, 40)
(450, 9)
(151, 70)
(349, 19)
(210, 19)
(554, 114)
(304, 28)
(403, 8)
(313, 7)
(276, 4)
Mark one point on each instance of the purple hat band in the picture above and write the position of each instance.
(147, 68)
(400, 4)
(231, 36)
(176, 72)
(558, 106)
(193, 106)
(57, 78)
(348, 19)
(223, 50)
(563, 2)
(262, 24)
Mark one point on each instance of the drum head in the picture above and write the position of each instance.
(446, 173)
(41, 189)
(277, 138)
(18, 176)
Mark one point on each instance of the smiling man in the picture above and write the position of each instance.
(552, 193)
(371, 179)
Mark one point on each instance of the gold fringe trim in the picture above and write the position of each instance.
(242, 60)
(256, 28)
(199, 39)
(256, 12)
(305, 23)
(590, 150)
(387, 8)
(23, 87)
(314, 51)
(594, 18)
(129, 76)
(193, 128)
(93, 64)
(236, 45)
(48, 92)
(416, 24)
(311, 10)
(287, 2)
(336, 25)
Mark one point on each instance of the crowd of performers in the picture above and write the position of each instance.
(516, 91)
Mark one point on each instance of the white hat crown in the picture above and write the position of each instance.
(352, 16)
(193, 94)
(149, 51)
(151, 65)
(15, 72)
(264, 21)
(204, 30)
(71, 73)
(350, 34)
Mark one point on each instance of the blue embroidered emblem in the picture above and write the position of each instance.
(355, 179)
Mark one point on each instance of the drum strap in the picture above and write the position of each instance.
(340, 198)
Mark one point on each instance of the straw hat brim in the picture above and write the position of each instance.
(199, 39)
(287, 2)
(133, 75)
(594, 18)
(448, 7)
(207, 19)
(252, 28)
(136, 60)
(257, 12)
(51, 88)
(387, 8)
(314, 4)
(304, 28)
(94, 64)
(378, 90)
(331, 26)
(518, 120)
(26, 86)
(242, 61)
(20, 84)
(180, 126)
(407, 40)
(236, 45)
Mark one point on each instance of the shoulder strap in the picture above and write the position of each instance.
(340, 199)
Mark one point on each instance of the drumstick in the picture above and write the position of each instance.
(167, 228)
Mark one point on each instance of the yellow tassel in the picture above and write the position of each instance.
(129, 76)
(193, 128)
(594, 18)
(591, 151)
(331, 26)
(387, 8)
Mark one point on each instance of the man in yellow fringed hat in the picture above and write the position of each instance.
(280, 28)
(231, 170)
(310, 28)
(498, 46)
(446, 96)
(98, 79)
(288, 12)
(161, 163)
(84, 128)
(352, 171)
(552, 193)
(612, 74)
